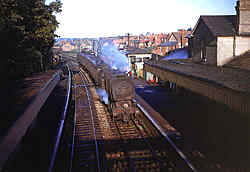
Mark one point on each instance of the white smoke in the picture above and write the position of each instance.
(110, 54)
(103, 95)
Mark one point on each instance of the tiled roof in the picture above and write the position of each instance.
(168, 44)
(223, 25)
(138, 51)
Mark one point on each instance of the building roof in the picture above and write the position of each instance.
(138, 51)
(177, 35)
(241, 62)
(180, 34)
(236, 79)
(168, 44)
(181, 53)
(220, 25)
(188, 35)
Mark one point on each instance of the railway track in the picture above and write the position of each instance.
(86, 129)
(102, 144)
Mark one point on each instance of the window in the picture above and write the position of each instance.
(146, 58)
(138, 60)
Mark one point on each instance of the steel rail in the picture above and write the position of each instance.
(167, 138)
(21, 125)
(148, 144)
(93, 124)
(73, 139)
(58, 138)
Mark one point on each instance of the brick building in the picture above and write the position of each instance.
(68, 47)
(174, 41)
(158, 43)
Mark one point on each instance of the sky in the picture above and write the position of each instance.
(102, 18)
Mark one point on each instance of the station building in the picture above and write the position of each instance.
(136, 58)
(218, 39)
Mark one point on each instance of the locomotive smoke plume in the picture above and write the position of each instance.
(103, 95)
(109, 53)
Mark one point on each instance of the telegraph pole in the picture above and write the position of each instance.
(128, 34)
(79, 44)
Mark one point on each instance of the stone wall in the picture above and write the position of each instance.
(244, 26)
(203, 45)
(225, 48)
(242, 44)
(244, 17)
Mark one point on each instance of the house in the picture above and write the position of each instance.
(161, 49)
(218, 39)
(143, 43)
(159, 44)
(174, 41)
(136, 58)
(178, 39)
(68, 47)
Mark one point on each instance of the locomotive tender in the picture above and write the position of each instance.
(118, 85)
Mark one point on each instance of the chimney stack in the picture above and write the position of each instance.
(243, 17)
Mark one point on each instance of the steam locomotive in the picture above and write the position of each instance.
(118, 85)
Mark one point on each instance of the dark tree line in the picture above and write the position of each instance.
(27, 34)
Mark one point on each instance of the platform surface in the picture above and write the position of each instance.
(236, 79)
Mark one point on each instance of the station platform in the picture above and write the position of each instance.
(16, 96)
(224, 85)
(156, 116)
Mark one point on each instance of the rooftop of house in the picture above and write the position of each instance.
(219, 25)
(178, 35)
(138, 51)
(168, 44)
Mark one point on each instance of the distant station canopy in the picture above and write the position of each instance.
(177, 54)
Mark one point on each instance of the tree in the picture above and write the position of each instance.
(27, 27)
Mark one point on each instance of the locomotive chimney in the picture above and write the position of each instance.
(243, 17)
